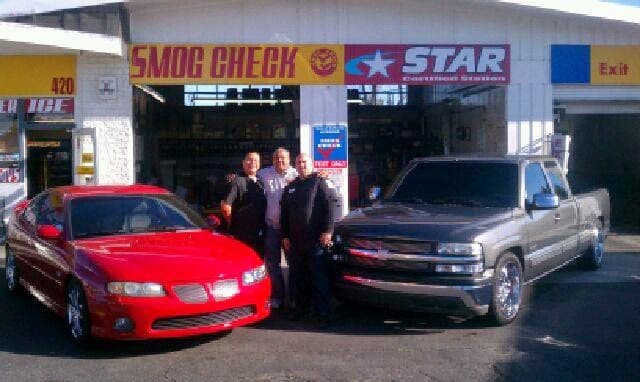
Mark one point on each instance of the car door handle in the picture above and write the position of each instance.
(556, 218)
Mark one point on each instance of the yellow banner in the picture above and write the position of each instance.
(615, 65)
(36, 76)
(276, 64)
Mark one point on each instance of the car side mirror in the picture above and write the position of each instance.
(375, 192)
(213, 221)
(49, 232)
(545, 201)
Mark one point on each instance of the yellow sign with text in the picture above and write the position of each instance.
(36, 76)
(177, 64)
(615, 65)
(84, 170)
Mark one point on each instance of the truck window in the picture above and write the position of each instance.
(557, 179)
(466, 183)
(534, 181)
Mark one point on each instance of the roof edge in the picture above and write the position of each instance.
(590, 8)
(60, 38)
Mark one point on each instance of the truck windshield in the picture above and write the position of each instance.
(466, 183)
(130, 214)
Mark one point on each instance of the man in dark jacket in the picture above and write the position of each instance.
(245, 205)
(306, 221)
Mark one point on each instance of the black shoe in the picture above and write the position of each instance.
(298, 315)
(321, 321)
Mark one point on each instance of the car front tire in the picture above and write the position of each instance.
(78, 325)
(507, 290)
(12, 274)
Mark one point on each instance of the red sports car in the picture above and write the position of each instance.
(132, 262)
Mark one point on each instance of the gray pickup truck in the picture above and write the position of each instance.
(464, 235)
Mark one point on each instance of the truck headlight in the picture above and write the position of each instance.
(460, 249)
(133, 289)
(459, 268)
(254, 275)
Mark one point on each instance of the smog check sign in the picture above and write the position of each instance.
(330, 146)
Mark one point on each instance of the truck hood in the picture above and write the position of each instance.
(425, 222)
(194, 255)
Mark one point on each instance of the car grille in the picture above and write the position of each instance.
(191, 293)
(216, 318)
(391, 245)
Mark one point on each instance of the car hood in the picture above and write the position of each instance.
(168, 256)
(423, 222)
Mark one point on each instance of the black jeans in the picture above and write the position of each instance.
(310, 279)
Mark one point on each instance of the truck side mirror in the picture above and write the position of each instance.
(545, 201)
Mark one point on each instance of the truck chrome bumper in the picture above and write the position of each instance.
(465, 299)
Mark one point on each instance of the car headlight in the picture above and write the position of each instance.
(460, 249)
(254, 275)
(133, 289)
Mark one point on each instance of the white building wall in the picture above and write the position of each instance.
(529, 109)
(107, 121)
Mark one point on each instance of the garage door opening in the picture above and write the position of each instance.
(190, 137)
(391, 124)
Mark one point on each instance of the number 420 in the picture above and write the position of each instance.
(62, 85)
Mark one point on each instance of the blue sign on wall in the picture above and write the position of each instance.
(330, 146)
(570, 64)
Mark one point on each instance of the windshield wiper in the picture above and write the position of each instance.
(165, 228)
(414, 200)
(99, 233)
(458, 202)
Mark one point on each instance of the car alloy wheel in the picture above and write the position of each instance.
(77, 313)
(11, 271)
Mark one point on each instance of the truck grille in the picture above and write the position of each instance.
(208, 319)
(391, 245)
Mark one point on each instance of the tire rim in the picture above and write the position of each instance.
(10, 271)
(75, 317)
(598, 250)
(509, 290)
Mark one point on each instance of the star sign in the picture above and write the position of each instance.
(378, 64)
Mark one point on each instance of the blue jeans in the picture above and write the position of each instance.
(272, 256)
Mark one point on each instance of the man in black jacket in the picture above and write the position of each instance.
(245, 204)
(307, 217)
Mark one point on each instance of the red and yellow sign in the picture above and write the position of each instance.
(615, 65)
(166, 64)
(37, 76)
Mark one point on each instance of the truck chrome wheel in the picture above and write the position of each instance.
(598, 249)
(509, 290)
(593, 257)
(11, 271)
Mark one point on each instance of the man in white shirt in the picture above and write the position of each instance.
(275, 178)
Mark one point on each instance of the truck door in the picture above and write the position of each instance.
(566, 214)
(543, 230)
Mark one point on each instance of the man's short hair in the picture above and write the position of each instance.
(281, 149)
(249, 153)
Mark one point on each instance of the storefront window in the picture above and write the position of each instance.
(221, 95)
(9, 149)
(379, 95)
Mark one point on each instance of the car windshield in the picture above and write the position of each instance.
(465, 183)
(125, 214)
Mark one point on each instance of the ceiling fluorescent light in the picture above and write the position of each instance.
(152, 92)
